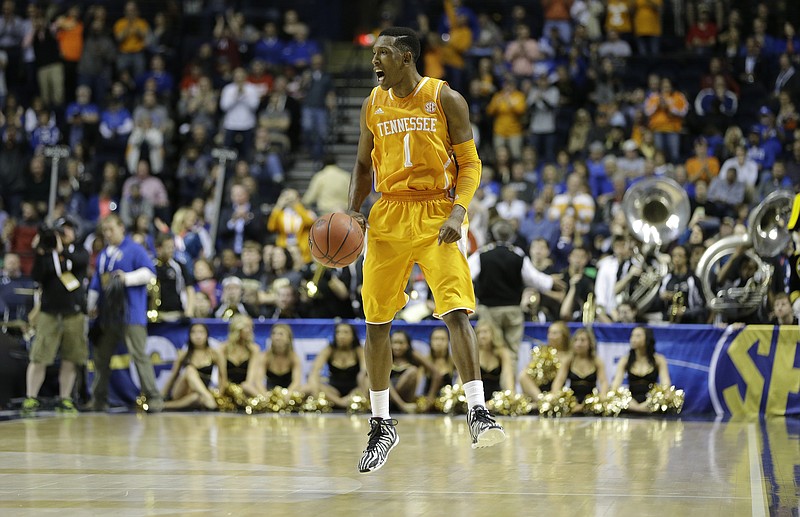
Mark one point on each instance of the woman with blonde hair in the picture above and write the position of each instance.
(558, 338)
(497, 366)
(280, 364)
(583, 368)
(241, 355)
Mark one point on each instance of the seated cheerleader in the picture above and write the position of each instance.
(187, 386)
(404, 377)
(557, 338)
(644, 368)
(442, 363)
(345, 360)
(497, 367)
(280, 364)
(241, 355)
(584, 370)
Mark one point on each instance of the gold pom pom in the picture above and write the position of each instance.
(237, 395)
(544, 364)
(558, 403)
(318, 404)
(661, 399)
(358, 404)
(452, 400)
(224, 403)
(423, 404)
(141, 403)
(507, 403)
(257, 404)
(617, 401)
(594, 404)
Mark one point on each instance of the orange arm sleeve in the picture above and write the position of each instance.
(469, 172)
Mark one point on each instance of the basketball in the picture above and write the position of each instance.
(336, 240)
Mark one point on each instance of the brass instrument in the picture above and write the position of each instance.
(766, 237)
(311, 287)
(678, 303)
(154, 297)
(657, 211)
(589, 310)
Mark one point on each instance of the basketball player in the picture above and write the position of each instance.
(413, 130)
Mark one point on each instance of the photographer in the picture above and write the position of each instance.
(60, 269)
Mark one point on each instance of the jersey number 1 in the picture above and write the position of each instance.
(407, 151)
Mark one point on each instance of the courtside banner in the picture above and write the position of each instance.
(750, 371)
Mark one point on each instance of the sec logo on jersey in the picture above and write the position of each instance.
(430, 107)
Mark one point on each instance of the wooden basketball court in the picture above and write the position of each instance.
(225, 464)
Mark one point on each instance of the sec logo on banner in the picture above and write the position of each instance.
(756, 370)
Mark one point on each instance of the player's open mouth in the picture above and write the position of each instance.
(380, 75)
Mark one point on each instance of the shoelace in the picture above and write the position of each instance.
(375, 431)
(482, 414)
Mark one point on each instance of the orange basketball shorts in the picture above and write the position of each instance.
(404, 230)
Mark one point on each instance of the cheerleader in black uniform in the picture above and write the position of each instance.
(345, 360)
(557, 337)
(584, 370)
(643, 367)
(241, 355)
(497, 367)
(440, 357)
(187, 386)
(404, 377)
(280, 363)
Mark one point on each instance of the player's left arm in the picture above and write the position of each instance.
(456, 112)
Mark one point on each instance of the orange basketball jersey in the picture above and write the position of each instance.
(412, 141)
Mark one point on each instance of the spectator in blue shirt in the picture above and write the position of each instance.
(164, 82)
(82, 117)
(46, 133)
(270, 47)
(299, 51)
(116, 122)
(127, 261)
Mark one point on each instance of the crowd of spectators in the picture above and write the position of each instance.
(572, 102)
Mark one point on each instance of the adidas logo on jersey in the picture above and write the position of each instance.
(378, 111)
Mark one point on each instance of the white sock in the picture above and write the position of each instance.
(379, 400)
(474, 392)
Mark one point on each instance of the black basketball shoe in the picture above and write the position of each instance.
(382, 439)
(483, 429)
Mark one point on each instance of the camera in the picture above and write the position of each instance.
(48, 240)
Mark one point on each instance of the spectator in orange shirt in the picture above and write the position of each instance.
(667, 110)
(454, 47)
(131, 33)
(507, 107)
(701, 166)
(556, 14)
(647, 26)
(619, 18)
(69, 33)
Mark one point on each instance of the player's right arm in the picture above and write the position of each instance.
(361, 180)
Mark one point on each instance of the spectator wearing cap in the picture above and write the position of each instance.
(702, 166)
(631, 164)
(667, 110)
(760, 150)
